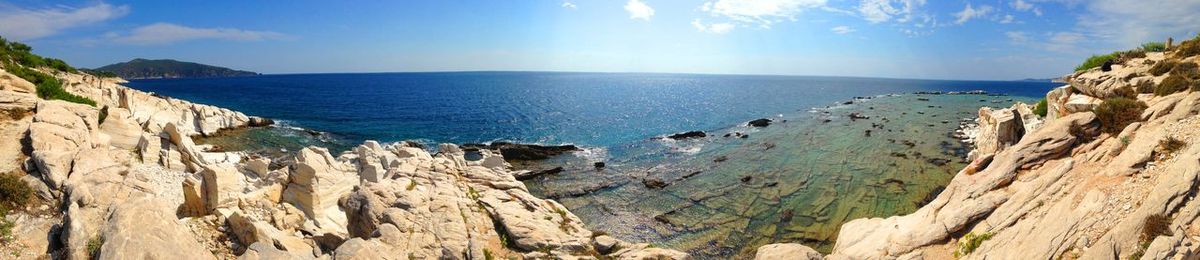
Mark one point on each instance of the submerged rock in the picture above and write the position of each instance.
(525, 152)
(686, 135)
(761, 122)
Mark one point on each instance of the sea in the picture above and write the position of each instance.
(838, 148)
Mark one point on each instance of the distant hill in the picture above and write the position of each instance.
(157, 69)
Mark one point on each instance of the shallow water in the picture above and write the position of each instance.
(797, 180)
(794, 181)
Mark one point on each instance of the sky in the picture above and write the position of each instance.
(957, 39)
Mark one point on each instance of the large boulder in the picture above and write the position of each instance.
(1056, 102)
(317, 182)
(10, 82)
(123, 132)
(1082, 103)
(59, 130)
(998, 129)
(141, 229)
(222, 186)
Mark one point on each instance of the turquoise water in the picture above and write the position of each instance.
(794, 181)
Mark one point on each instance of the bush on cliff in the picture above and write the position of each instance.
(1154, 46)
(1162, 67)
(1188, 70)
(1118, 112)
(1171, 85)
(1096, 61)
(1154, 226)
(1188, 48)
(1040, 108)
(17, 59)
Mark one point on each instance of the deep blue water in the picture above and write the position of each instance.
(588, 109)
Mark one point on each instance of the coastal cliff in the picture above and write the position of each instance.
(1111, 173)
(124, 179)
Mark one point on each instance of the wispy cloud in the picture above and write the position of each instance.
(28, 24)
(1017, 37)
(568, 5)
(717, 28)
(842, 29)
(166, 33)
(878, 11)
(639, 10)
(762, 13)
(970, 12)
(1128, 23)
(1008, 18)
(1021, 5)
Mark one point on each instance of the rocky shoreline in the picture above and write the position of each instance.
(1062, 186)
(124, 179)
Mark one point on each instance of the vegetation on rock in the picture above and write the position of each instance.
(1040, 108)
(14, 194)
(1154, 46)
(1162, 67)
(1169, 146)
(970, 242)
(1118, 112)
(1171, 85)
(1096, 61)
(1188, 48)
(17, 59)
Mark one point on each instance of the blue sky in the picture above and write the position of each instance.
(971, 39)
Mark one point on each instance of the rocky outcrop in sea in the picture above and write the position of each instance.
(125, 179)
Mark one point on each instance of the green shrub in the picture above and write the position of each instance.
(94, 245)
(1095, 61)
(1154, 46)
(1162, 67)
(1040, 108)
(970, 242)
(1171, 85)
(18, 59)
(59, 65)
(1118, 112)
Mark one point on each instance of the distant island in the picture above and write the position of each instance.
(166, 68)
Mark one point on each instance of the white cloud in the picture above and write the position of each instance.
(165, 33)
(1017, 37)
(842, 29)
(26, 24)
(970, 12)
(761, 12)
(639, 10)
(1021, 5)
(1008, 18)
(568, 5)
(717, 28)
(878, 11)
(1128, 23)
